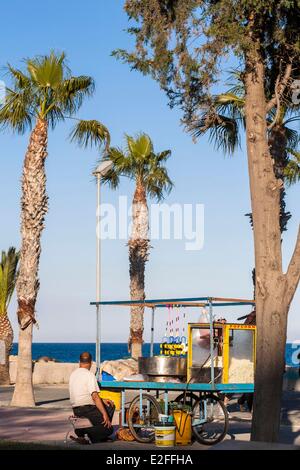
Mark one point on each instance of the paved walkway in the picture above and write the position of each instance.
(49, 396)
(48, 422)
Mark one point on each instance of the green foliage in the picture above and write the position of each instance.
(45, 89)
(90, 133)
(8, 276)
(225, 120)
(183, 44)
(292, 170)
(139, 162)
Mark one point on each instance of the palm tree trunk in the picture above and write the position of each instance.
(34, 207)
(138, 256)
(6, 335)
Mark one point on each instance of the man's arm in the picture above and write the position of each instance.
(99, 403)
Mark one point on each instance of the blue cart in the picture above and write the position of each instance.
(204, 399)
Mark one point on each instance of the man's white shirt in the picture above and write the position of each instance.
(82, 384)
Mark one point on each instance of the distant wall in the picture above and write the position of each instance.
(46, 372)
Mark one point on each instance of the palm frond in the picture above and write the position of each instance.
(123, 163)
(47, 71)
(71, 92)
(16, 112)
(293, 118)
(231, 106)
(8, 277)
(292, 138)
(158, 183)
(229, 97)
(223, 131)
(21, 80)
(90, 133)
(237, 89)
(292, 169)
(225, 135)
(224, 119)
(235, 82)
(163, 156)
(140, 147)
(112, 179)
(54, 115)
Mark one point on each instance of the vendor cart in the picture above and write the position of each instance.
(219, 361)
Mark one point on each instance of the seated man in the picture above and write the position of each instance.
(86, 403)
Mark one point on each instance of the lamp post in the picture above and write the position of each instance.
(102, 169)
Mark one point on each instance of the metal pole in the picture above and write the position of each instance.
(98, 281)
(212, 370)
(152, 332)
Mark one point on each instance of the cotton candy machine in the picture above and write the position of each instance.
(163, 369)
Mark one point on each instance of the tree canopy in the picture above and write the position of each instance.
(183, 44)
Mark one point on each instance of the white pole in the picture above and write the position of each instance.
(98, 280)
(211, 327)
(152, 332)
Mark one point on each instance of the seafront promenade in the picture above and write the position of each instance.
(48, 422)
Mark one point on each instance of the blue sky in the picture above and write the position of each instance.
(126, 102)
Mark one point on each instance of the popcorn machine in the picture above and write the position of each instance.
(228, 358)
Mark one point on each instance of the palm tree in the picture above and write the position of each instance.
(41, 96)
(141, 164)
(8, 276)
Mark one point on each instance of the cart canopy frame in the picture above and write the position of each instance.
(209, 302)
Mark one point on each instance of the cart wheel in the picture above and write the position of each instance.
(188, 398)
(142, 425)
(215, 427)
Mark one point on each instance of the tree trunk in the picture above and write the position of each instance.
(33, 210)
(274, 290)
(278, 144)
(23, 394)
(6, 335)
(138, 256)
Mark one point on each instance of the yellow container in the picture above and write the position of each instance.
(113, 396)
(183, 423)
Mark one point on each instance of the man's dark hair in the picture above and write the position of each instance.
(85, 358)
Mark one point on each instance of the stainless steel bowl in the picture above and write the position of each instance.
(163, 366)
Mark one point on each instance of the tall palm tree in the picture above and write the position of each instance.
(41, 95)
(140, 163)
(8, 276)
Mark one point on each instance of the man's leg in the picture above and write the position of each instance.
(98, 432)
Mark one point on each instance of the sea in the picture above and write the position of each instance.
(70, 352)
